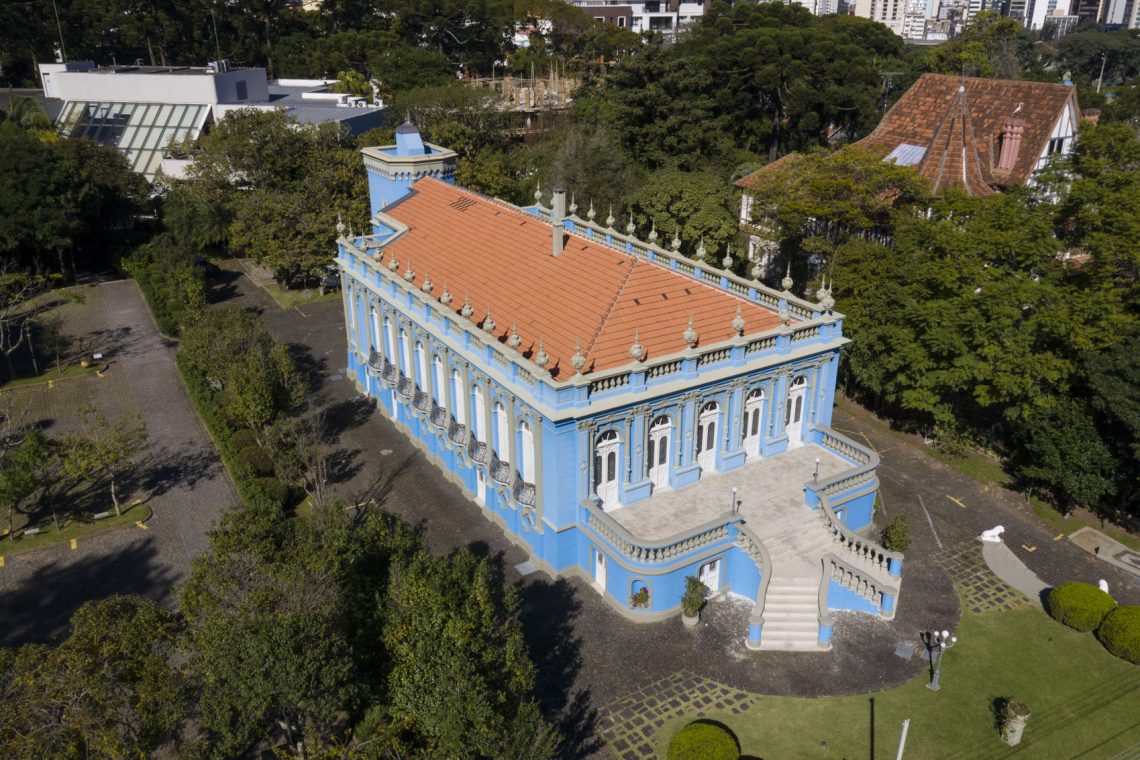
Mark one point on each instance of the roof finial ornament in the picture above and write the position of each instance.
(445, 296)
(573, 209)
(394, 263)
(631, 227)
(515, 340)
(538, 193)
(541, 358)
(788, 282)
(738, 320)
(467, 309)
(691, 335)
(577, 360)
(828, 302)
(610, 219)
(757, 270)
(701, 253)
(409, 275)
(427, 283)
(637, 351)
(676, 243)
(653, 232)
(488, 323)
(822, 291)
(785, 314)
(727, 260)
(591, 213)
(340, 228)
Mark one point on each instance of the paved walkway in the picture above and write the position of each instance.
(182, 481)
(1005, 565)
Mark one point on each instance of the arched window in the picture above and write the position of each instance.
(405, 354)
(501, 431)
(657, 453)
(479, 423)
(377, 336)
(753, 420)
(390, 343)
(437, 391)
(460, 395)
(606, 468)
(421, 366)
(706, 435)
(526, 451)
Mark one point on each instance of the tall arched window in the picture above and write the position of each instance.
(479, 423)
(390, 343)
(502, 443)
(526, 451)
(706, 435)
(606, 468)
(794, 411)
(459, 393)
(438, 392)
(405, 354)
(753, 420)
(377, 336)
(421, 366)
(658, 451)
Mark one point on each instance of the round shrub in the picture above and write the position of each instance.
(1120, 633)
(704, 740)
(271, 489)
(1079, 605)
(243, 439)
(256, 460)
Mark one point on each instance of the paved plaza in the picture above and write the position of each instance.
(181, 479)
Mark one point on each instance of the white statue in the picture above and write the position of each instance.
(1103, 585)
(993, 535)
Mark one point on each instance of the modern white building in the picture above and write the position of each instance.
(639, 16)
(144, 110)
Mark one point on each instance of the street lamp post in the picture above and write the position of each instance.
(940, 641)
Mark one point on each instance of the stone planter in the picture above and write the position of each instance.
(690, 622)
(1013, 729)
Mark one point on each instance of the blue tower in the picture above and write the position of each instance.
(393, 168)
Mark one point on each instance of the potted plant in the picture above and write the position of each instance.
(640, 598)
(692, 601)
(1014, 716)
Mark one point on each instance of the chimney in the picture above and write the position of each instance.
(557, 214)
(1011, 133)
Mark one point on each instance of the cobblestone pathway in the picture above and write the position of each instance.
(630, 724)
(979, 589)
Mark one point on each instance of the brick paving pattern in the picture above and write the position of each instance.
(629, 725)
(979, 588)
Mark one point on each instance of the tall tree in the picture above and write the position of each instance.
(103, 449)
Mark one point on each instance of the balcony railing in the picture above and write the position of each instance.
(500, 471)
(457, 433)
(656, 552)
(477, 451)
(375, 362)
(868, 585)
(525, 493)
(390, 374)
(439, 416)
(421, 401)
(405, 387)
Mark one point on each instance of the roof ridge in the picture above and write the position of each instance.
(949, 116)
(613, 304)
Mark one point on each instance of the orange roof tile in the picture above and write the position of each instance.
(933, 114)
(500, 257)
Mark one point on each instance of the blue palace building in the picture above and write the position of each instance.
(626, 414)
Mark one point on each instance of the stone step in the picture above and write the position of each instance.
(790, 645)
(789, 621)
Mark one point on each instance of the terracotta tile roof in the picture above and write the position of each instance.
(955, 117)
(747, 180)
(500, 256)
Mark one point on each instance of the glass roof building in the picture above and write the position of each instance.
(141, 131)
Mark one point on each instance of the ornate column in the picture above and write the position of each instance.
(687, 469)
(637, 487)
(733, 440)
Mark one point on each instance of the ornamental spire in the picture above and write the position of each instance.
(637, 351)
(738, 320)
(394, 263)
(488, 323)
(631, 227)
(445, 296)
(828, 302)
(467, 309)
(427, 283)
(541, 358)
(515, 340)
(691, 335)
(409, 275)
(610, 218)
(702, 252)
(577, 360)
(653, 232)
(573, 205)
(726, 262)
(538, 192)
(340, 228)
(591, 213)
(788, 282)
(676, 239)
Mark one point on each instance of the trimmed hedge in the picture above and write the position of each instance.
(704, 740)
(1120, 633)
(256, 460)
(243, 439)
(1079, 605)
(251, 488)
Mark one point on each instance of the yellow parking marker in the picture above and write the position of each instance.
(74, 543)
(956, 501)
(1, 560)
(1058, 537)
(51, 384)
(1029, 549)
(142, 525)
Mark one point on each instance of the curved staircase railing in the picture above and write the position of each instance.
(660, 551)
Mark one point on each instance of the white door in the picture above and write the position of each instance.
(600, 570)
(706, 436)
(794, 413)
(709, 574)
(606, 469)
(753, 419)
(658, 454)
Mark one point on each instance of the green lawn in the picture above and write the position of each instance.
(51, 374)
(1085, 702)
(287, 299)
(71, 528)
